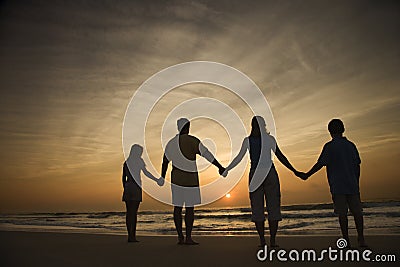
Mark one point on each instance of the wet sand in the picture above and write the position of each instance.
(70, 249)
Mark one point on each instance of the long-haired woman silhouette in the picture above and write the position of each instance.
(263, 178)
(132, 184)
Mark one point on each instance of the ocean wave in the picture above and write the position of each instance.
(296, 225)
(102, 215)
(223, 216)
(204, 211)
(392, 214)
(322, 206)
(381, 216)
(381, 204)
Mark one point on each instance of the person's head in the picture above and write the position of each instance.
(136, 151)
(183, 125)
(336, 127)
(258, 126)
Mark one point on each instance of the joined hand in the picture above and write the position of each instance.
(161, 181)
(221, 170)
(301, 175)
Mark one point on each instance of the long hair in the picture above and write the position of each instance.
(258, 126)
(136, 152)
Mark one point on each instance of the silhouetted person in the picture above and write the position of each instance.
(181, 151)
(132, 184)
(260, 144)
(342, 161)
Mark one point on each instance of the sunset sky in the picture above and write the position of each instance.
(68, 71)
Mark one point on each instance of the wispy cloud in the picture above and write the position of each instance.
(68, 71)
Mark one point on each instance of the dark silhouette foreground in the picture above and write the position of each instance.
(342, 161)
(263, 178)
(132, 184)
(182, 151)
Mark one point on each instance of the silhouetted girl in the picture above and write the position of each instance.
(132, 183)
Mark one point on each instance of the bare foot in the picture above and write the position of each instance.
(181, 240)
(262, 243)
(190, 241)
(361, 243)
(272, 243)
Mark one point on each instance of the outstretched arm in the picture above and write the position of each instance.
(317, 166)
(286, 162)
(149, 174)
(239, 156)
(321, 162)
(123, 175)
(358, 171)
(164, 166)
(205, 153)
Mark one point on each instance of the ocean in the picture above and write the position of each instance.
(381, 218)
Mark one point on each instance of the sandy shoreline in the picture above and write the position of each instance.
(73, 249)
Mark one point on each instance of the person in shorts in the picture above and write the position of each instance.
(263, 178)
(182, 150)
(342, 161)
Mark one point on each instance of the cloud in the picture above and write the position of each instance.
(69, 69)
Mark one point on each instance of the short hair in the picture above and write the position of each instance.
(182, 123)
(336, 126)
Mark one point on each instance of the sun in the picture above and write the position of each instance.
(228, 195)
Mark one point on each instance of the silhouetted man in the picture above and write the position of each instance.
(181, 151)
(342, 161)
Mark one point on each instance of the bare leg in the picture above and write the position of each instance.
(178, 224)
(273, 229)
(344, 228)
(260, 230)
(134, 220)
(128, 219)
(359, 221)
(131, 218)
(189, 220)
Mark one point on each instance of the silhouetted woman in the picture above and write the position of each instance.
(132, 184)
(263, 178)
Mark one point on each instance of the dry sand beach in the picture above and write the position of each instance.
(68, 249)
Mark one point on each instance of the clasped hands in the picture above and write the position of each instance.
(221, 170)
(302, 175)
(160, 181)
